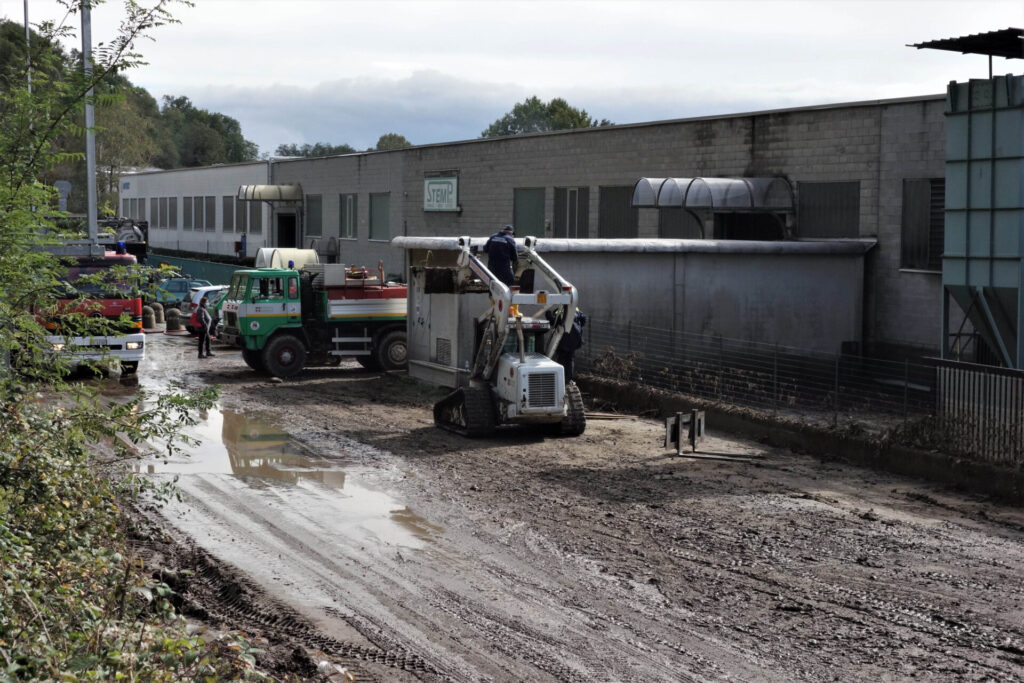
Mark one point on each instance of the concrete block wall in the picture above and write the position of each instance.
(877, 144)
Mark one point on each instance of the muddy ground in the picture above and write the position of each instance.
(338, 522)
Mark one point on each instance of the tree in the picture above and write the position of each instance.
(390, 141)
(319, 149)
(190, 136)
(76, 605)
(534, 116)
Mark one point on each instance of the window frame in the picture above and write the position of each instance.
(348, 232)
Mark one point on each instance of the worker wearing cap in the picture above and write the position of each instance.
(502, 258)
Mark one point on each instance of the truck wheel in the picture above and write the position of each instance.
(284, 356)
(254, 359)
(392, 352)
(129, 367)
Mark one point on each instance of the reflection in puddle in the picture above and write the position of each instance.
(264, 457)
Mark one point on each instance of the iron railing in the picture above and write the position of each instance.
(967, 410)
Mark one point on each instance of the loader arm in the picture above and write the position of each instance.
(559, 295)
(495, 318)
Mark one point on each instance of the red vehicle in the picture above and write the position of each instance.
(111, 295)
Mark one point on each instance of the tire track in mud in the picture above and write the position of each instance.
(508, 636)
(241, 523)
(219, 593)
(874, 605)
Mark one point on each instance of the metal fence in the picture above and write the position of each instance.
(982, 408)
(972, 411)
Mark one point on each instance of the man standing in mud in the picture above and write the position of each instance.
(204, 329)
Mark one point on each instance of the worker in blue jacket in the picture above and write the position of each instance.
(502, 258)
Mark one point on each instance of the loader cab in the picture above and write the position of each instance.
(534, 331)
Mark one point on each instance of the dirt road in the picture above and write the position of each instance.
(408, 553)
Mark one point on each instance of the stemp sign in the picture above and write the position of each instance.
(441, 194)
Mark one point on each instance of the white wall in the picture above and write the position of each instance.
(212, 181)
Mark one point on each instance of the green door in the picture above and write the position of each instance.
(528, 211)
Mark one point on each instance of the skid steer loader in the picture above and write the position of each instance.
(465, 333)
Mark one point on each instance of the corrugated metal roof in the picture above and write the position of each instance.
(1007, 42)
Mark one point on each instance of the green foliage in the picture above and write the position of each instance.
(75, 604)
(391, 141)
(319, 149)
(190, 136)
(534, 116)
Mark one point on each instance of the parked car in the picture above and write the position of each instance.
(214, 295)
(173, 291)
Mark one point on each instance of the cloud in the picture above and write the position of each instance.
(430, 107)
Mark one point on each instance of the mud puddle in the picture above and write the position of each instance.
(259, 455)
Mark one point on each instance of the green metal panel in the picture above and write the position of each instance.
(528, 211)
(216, 273)
(984, 247)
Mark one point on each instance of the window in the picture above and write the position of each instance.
(198, 214)
(269, 288)
(616, 217)
(140, 209)
(125, 208)
(211, 213)
(154, 212)
(228, 211)
(924, 223)
(571, 212)
(380, 216)
(255, 218)
(186, 213)
(240, 215)
(162, 223)
(347, 212)
(528, 211)
(172, 213)
(828, 209)
(314, 215)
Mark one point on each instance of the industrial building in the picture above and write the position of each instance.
(777, 189)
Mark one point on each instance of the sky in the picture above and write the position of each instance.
(348, 71)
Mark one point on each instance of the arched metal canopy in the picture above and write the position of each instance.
(270, 193)
(756, 194)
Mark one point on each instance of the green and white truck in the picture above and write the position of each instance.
(285, 319)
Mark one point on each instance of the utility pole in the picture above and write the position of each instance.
(28, 50)
(90, 123)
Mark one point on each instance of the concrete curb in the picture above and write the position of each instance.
(1003, 483)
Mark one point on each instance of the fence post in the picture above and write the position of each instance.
(906, 387)
(835, 403)
(775, 379)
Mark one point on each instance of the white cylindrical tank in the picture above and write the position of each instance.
(273, 257)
